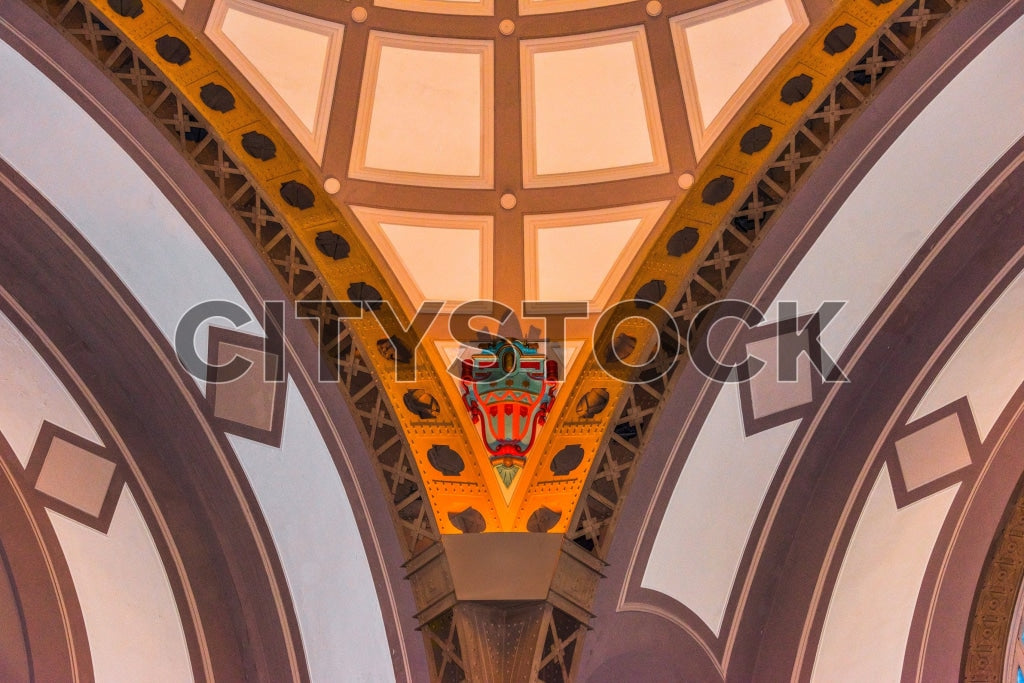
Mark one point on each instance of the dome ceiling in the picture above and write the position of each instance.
(474, 151)
(447, 151)
(711, 531)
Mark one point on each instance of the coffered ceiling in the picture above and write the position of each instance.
(400, 152)
(615, 104)
(549, 154)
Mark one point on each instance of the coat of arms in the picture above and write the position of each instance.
(508, 389)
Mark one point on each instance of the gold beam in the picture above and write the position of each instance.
(561, 493)
(476, 486)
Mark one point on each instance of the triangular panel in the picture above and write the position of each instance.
(724, 52)
(291, 60)
(582, 256)
(435, 257)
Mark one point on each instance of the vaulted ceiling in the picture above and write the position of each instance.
(548, 159)
(619, 165)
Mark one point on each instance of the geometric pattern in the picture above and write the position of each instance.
(770, 398)
(291, 60)
(75, 477)
(933, 453)
(724, 52)
(251, 404)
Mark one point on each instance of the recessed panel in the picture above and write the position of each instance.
(590, 112)
(933, 452)
(582, 256)
(471, 7)
(770, 393)
(527, 7)
(75, 476)
(724, 52)
(426, 112)
(249, 399)
(291, 60)
(435, 257)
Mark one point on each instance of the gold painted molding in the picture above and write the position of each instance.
(723, 159)
(477, 486)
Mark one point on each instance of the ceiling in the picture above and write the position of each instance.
(485, 159)
(550, 150)
(533, 153)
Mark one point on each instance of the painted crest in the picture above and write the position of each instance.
(508, 389)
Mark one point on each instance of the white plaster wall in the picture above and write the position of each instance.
(877, 231)
(868, 621)
(70, 159)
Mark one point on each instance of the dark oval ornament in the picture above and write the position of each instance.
(755, 139)
(365, 296)
(566, 460)
(592, 403)
(217, 97)
(445, 460)
(840, 39)
(421, 404)
(542, 520)
(469, 521)
(173, 50)
(650, 294)
(297, 194)
(126, 8)
(621, 349)
(392, 348)
(332, 245)
(259, 146)
(797, 89)
(683, 242)
(718, 190)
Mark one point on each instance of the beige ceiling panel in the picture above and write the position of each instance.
(590, 110)
(291, 60)
(527, 7)
(436, 257)
(724, 52)
(426, 112)
(464, 7)
(582, 256)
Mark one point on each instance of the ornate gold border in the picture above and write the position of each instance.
(477, 486)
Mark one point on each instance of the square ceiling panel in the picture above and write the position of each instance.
(436, 257)
(590, 110)
(468, 7)
(426, 112)
(724, 52)
(583, 256)
(291, 60)
(527, 7)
